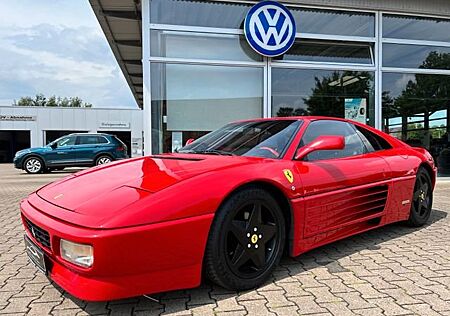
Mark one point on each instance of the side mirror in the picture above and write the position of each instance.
(190, 141)
(321, 143)
(54, 145)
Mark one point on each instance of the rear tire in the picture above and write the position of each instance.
(422, 199)
(102, 160)
(33, 165)
(246, 240)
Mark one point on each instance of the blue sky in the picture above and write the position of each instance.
(56, 47)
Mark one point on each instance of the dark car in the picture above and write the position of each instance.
(74, 150)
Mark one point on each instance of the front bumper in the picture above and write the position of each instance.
(127, 262)
(17, 162)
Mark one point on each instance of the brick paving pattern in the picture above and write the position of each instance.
(393, 270)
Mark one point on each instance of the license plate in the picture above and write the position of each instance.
(35, 254)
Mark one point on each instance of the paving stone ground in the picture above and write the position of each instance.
(393, 270)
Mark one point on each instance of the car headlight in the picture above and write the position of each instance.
(21, 153)
(79, 254)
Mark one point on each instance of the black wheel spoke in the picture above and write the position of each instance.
(416, 195)
(240, 257)
(425, 188)
(239, 232)
(419, 207)
(267, 232)
(424, 204)
(256, 216)
(259, 257)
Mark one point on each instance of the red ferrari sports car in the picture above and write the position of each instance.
(225, 206)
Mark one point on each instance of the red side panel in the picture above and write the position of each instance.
(327, 212)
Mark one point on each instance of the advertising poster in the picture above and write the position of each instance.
(177, 141)
(356, 110)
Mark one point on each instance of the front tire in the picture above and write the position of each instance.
(33, 165)
(246, 240)
(422, 199)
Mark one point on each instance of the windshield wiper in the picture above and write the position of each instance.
(209, 151)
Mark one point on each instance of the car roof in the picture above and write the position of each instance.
(87, 134)
(391, 140)
(298, 118)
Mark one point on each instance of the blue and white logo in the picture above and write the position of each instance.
(270, 28)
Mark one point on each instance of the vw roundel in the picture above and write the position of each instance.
(269, 28)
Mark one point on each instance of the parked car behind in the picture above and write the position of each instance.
(74, 150)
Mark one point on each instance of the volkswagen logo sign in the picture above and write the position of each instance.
(270, 28)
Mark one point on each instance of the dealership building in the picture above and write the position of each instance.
(191, 67)
(24, 127)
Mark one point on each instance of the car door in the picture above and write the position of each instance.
(61, 152)
(340, 187)
(87, 148)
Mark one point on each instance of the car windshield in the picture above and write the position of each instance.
(268, 139)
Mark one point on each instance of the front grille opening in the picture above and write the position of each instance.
(42, 236)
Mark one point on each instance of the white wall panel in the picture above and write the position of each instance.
(70, 119)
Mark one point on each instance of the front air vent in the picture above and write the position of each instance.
(41, 235)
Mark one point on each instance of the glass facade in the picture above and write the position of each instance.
(387, 70)
(416, 83)
(196, 99)
(321, 92)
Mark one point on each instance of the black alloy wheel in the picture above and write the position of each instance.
(246, 240)
(422, 199)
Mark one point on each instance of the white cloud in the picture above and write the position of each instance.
(57, 48)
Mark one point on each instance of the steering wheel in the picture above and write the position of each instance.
(275, 153)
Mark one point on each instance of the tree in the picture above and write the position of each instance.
(428, 93)
(329, 93)
(53, 101)
(285, 111)
(421, 98)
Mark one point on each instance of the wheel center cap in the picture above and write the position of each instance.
(422, 196)
(254, 238)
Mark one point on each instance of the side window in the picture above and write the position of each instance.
(353, 143)
(375, 141)
(66, 141)
(88, 140)
(101, 140)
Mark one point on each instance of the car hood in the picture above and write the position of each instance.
(102, 192)
(32, 150)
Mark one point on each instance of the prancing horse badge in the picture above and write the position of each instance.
(289, 176)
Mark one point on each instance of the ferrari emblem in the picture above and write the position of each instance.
(254, 238)
(289, 176)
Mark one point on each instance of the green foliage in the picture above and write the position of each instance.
(328, 96)
(425, 94)
(53, 101)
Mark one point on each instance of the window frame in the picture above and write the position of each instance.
(364, 139)
(79, 137)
